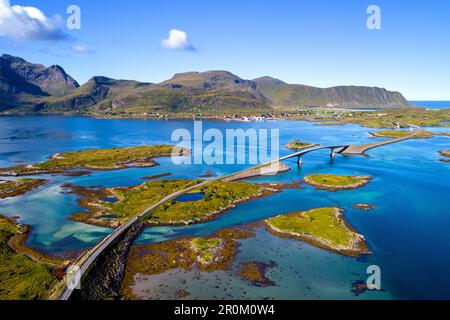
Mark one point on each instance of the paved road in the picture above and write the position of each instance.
(87, 261)
(362, 148)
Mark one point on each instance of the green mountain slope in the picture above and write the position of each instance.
(284, 95)
(27, 87)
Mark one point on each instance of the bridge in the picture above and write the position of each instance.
(333, 151)
(362, 148)
(81, 267)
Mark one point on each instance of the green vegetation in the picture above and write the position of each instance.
(335, 182)
(131, 201)
(324, 227)
(206, 247)
(401, 134)
(99, 159)
(219, 196)
(20, 277)
(297, 145)
(389, 118)
(12, 188)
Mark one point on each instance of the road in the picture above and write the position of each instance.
(87, 261)
(362, 148)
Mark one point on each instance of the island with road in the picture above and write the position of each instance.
(180, 202)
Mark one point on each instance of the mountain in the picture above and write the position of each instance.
(21, 82)
(27, 87)
(210, 80)
(35, 78)
(283, 95)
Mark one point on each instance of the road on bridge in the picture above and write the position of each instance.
(85, 262)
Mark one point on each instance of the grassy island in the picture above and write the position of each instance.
(298, 145)
(97, 159)
(322, 227)
(20, 277)
(401, 134)
(219, 196)
(12, 188)
(333, 182)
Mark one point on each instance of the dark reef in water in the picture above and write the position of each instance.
(103, 280)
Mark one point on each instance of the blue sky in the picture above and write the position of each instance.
(320, 43)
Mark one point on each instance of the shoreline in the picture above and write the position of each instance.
(325, 115)
(18, 244)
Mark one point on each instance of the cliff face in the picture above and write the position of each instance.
(19, 76)
(28, 87)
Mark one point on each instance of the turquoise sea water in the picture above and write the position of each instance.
(409, 231)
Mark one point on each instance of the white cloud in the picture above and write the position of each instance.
(177, 40)
(28, 23)
(81, 49)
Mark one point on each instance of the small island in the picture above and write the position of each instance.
(445, 153)
(298, 145)
(323, 227)
(401, 134)
(334, 182)
(364, 206)
(13, 188)
(97, 159)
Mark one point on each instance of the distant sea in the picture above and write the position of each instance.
(432, 104)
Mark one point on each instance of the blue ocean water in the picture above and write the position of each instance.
(432, 104)
(408, 231)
